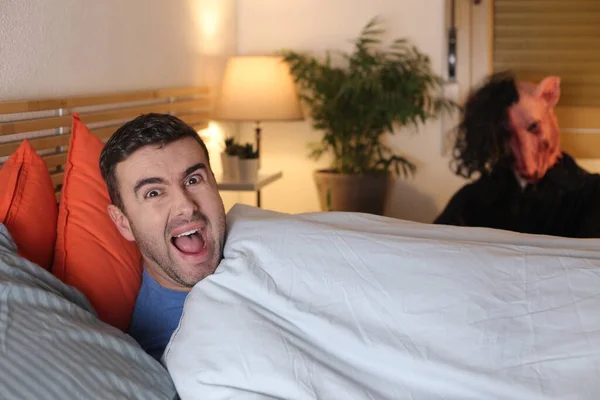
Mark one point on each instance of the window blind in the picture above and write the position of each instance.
(537, 38)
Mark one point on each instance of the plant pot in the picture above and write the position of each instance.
(352, 193)
(248, 169)
(230, 166)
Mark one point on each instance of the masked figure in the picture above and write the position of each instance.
(509, 137)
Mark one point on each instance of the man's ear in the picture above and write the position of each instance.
(549, 90)
(121, 222)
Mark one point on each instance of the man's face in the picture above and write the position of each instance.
(173, 211)
(535, 140)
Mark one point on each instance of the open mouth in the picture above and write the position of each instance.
(192, 242)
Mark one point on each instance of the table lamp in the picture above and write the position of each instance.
(257, 89)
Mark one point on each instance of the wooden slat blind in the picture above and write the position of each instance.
(537, 38)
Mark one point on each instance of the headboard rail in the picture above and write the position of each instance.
(46, 123)
(22, 106)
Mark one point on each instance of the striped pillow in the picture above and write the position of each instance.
(52, 345)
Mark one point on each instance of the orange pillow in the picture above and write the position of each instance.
(28, 205)
(90, 253)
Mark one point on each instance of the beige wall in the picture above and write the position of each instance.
(70, 47)
(265, 26)
(77, 47)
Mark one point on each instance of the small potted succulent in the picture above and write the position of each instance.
(230, 160)
(248, 163)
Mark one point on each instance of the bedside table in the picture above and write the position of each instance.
(263, 179)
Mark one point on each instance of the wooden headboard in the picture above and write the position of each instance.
(46, 123)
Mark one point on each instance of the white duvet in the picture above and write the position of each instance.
(351, 306)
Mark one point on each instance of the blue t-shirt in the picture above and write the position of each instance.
(156, 315)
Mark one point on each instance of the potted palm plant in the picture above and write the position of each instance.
(374, 90)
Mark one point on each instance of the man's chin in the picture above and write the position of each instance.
(192, 268)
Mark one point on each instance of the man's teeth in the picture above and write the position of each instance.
(188, 233)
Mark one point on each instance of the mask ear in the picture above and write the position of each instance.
(121, 222)
(549, 90)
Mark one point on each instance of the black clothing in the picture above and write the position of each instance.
(565, 202)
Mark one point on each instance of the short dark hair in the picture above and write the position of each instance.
(144, 130)
(482, 140)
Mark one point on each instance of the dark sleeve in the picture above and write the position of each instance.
(590, 221)
(454, 213)
(590, 227)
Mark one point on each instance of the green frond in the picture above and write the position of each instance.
(363, 94)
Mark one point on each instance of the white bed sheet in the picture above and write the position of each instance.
(352, 306)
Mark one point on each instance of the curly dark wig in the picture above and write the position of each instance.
(483, 133)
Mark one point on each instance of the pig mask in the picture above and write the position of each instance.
(535, 135)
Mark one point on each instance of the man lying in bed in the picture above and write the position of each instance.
(165, 198)
(510, 137)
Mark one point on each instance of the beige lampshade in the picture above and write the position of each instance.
(257, 88)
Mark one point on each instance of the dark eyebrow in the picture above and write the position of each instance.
(194, 168)
(146, 181)
(154, 180)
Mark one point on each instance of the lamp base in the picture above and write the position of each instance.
(257, 134)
